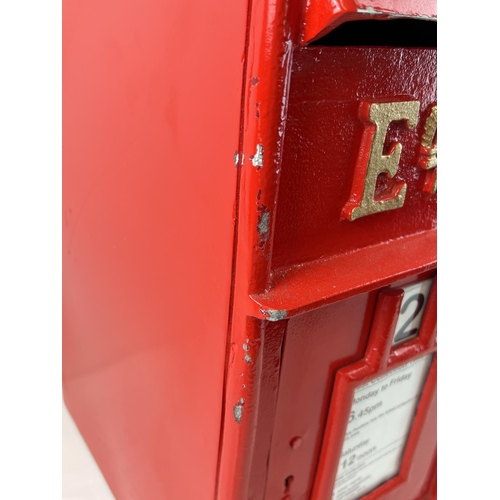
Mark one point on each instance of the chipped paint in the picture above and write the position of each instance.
(238, 410)
(245, 347)
(423, 17)
(263, 222)
(263, 225)
(248, 359)
(370, 11)
(233, 353)
(274, 314)
(258, 157)
(238, 158)
(254, 81)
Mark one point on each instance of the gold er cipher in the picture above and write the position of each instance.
(371, 162)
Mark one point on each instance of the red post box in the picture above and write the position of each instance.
(249, 247)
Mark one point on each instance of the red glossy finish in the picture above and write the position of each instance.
(301, 288)
(205, 260)
(151, 99)
(273, 30)
(313, 351)
(319, 345)
(323, 137)
(324, 15)
(317, 266)
(380, 358)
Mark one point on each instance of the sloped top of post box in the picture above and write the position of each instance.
(324, 15)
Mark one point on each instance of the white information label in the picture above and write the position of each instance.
(382, 413)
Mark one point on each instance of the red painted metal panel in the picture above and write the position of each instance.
(380, 357)
(317, 344)
(324, 15)
(272, 31)
(266, 291)
(321, 345)
(206, 262)
(323, 137)
(301, 288)
(151, 99)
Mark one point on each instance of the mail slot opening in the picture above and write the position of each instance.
(393, 33)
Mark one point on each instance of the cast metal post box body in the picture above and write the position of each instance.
(249, 247)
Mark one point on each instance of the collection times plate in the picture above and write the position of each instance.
(382, 413)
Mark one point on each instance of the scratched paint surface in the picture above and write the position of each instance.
(322, 143)
(159, 137)
(273, 33)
